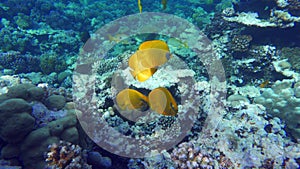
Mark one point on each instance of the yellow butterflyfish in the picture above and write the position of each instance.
(162, 101)
(130, 99)
(157, 44)
(144, 62)
(140, 6)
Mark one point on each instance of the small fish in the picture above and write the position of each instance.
(177, 43)
(140, 6)
(123, 38)
(116, 38)
(164, 4)
(264, 84)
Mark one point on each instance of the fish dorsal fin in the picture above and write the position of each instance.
(158, 44)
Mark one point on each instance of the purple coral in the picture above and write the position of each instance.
(43, 116)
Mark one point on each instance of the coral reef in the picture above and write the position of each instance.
(245, 136)
(98, 161)
(240, 43)
(16, 121)
(282, 100)
(279, 16)
(188, 155)
(28, 127)
(65, 155)
(293, 56)
(43, 115)
(257, 128)
(19, 63)
(7, 165)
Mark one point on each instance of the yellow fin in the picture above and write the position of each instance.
(158, 44)
(140, 6)
(264, 84)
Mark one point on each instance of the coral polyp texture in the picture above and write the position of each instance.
(189, 155)
(66, 155)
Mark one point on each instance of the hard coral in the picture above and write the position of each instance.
(188, 155)
(294, 4)
(19, 63)
(241, 43)
(66, 156)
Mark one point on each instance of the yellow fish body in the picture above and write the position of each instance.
(130, 99)
(162, 101)
(140, 6)
(157, 44)
(159, 100)
(264, 84)
(144, 62)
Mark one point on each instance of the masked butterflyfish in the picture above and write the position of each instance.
(130, 99)
(162, 101)
(144, 62)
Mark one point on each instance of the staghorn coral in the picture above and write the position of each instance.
(66, 156)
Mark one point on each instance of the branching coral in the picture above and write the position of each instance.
(66, 156)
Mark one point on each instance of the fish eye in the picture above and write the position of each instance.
(144, 106)
(172, 107)
(168, 55)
